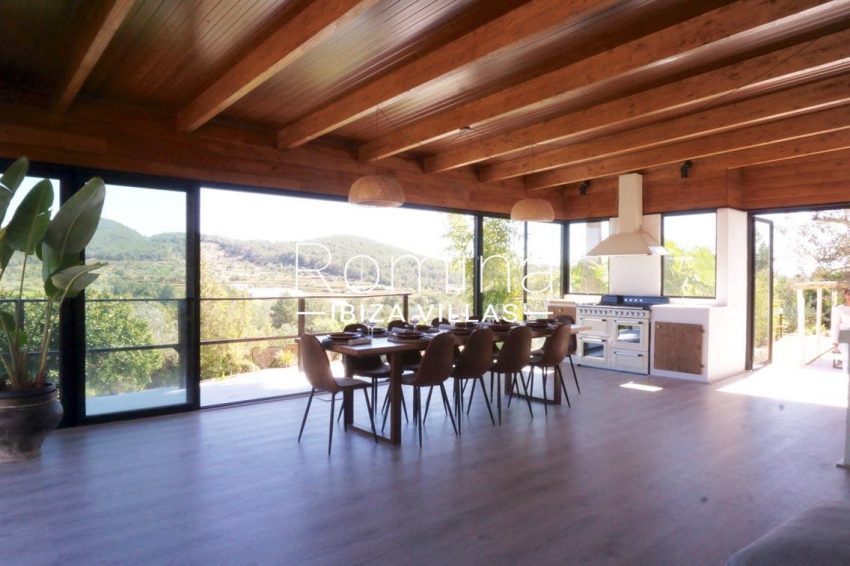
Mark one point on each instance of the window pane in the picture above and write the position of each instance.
(587, 274)
(543, 280)
(135, 311)
(262, 252)
(501, 269)
(689, 270)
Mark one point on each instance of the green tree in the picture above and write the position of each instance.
(111, 324)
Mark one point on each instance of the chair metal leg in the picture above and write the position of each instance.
(531, 380)
(511, 392)
(486, 399)
(575, 375)
(545, 398)
(499, 396)
(527, 396)
(339, 414)
(428, 403)
(307, 410)
(471, 395)
(331, 429)
(459, 405)
(563, 386)
(417, 408)
(371, 415)
(448, 407)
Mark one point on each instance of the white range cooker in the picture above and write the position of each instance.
(619, 332)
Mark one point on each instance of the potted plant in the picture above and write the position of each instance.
(29, 404)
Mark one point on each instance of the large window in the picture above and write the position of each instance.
(588, 275)
(274, 266)
(689, 270)
(136, 348)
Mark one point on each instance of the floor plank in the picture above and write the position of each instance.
(686, 475)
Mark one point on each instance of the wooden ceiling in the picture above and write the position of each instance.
(496, 99)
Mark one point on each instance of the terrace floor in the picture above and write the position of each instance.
(684, 475)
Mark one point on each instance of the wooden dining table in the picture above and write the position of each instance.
(383, 346)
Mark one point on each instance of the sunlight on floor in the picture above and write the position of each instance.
(817, 383)
(641, 387)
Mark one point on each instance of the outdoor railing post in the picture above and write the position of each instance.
(302, 326)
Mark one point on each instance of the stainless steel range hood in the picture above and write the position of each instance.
(630, 238)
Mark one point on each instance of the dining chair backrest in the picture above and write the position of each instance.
(477, 356)
(316, 366)
(557, 346)
(515, 351)
(439, 321)
(355, 327)
(573, 343)
(396, 324)
(437, 361)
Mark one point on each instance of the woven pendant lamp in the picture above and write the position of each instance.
(533, 210)
(376, 190)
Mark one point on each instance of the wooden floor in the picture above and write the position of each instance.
(686, 475)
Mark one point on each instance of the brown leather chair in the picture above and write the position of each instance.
(512, 359)
(435, 369)
(474, 361)
(317, 368)
(554, 350)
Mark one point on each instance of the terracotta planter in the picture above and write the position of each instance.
(26, 417)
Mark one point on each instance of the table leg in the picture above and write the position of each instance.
(395, 398)
(347, 396)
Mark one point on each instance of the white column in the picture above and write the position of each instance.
(843, 339)
(801, 325)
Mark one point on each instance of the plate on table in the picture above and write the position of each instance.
(343, 336)
(537, 324)
(410, 335)
(379, 332)
(466, 324)
(501, 326)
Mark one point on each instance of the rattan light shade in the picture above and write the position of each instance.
(376, 190)
(533, 210)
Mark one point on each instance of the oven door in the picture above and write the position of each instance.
(630, 334)
(596, 325)
(592, 351)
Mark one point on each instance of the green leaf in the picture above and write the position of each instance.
(73, 280)
(28, 225)
(14, 175)
(51, 261)
(15, 335)
(76, 222)
(5, 251)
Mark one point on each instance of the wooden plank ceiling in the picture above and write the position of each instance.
(488, 100)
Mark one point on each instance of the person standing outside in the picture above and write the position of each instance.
(841, 321)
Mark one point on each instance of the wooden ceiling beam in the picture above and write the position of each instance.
(796, 100)
(527, 23)
(824, 121)
(269, 56)
(744, 26)
(826, 55)
(103, 21)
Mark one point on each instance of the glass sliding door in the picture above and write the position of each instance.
(135, 312)
(274, 266)
(502, 269)
(543, 267)
(762, 295)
